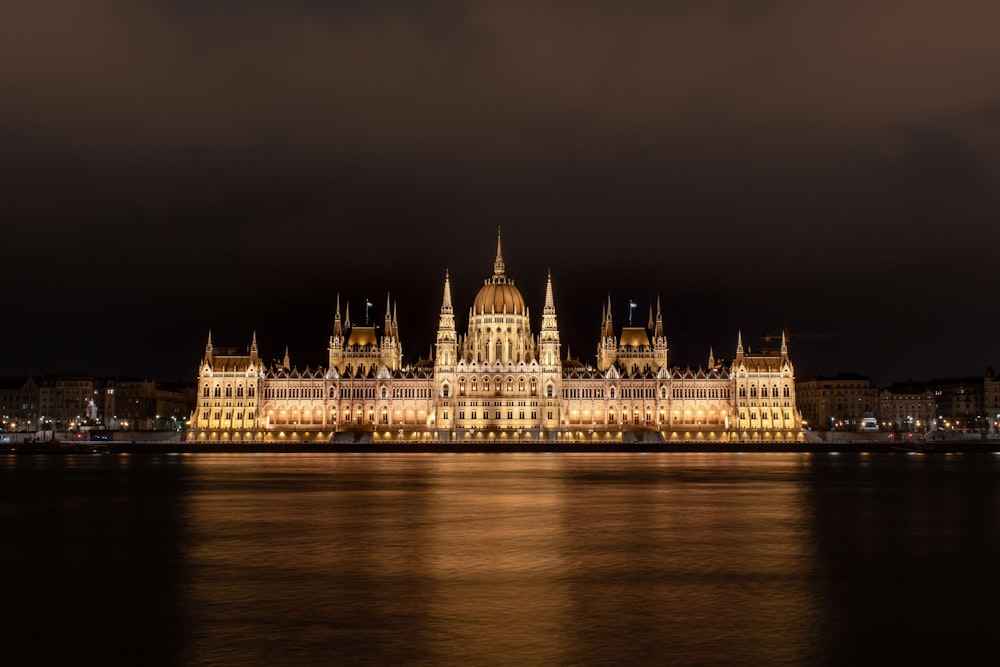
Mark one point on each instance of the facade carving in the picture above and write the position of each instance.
(498, 381)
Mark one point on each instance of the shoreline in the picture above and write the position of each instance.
(857, 447)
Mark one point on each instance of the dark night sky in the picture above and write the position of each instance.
(829, 167)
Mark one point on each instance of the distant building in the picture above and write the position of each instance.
(908, 406)
(838, 403)
(67, 401)
(146, 405)
(19, 403)
(499, 381)
(960, 404)
(991, 400)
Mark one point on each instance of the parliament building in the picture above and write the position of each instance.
(500, 381)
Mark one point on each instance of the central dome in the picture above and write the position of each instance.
(499, 295)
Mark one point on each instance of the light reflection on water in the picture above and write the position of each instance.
(513, 559)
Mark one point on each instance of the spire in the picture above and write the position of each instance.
(347, 315)
(549, 310)
(286, 363)
(550, 304)
(498, 268)
(446, 301)
(658, 331)
(784, 344)
(650, 325)
(388, 316)
(739, 344)
(711, 358)
(253, 345)
(337, 328)
(609, 328)
(208, 348)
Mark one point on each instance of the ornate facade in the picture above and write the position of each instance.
(499, 381)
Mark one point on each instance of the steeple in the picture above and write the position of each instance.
(338, 330)
(388, 316)
(550, 304)
(447, 339)
(784, 344)
(658, 331)
(548, 337)
(347, 315)
(711, 358)
(498, 268)
(446, 301)
(739, 345)
(650, 325)
(253, 346)
(208, 349)
(609, 327)
(286, 363)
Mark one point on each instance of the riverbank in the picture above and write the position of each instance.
(957, 446)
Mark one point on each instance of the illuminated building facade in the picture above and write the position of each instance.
(499, 381)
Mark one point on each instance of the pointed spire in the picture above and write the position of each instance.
(347, 315)
(711, 358)
(658, 331)
(550, 303)
(446, 301)
(208, 348)
(650, 325)
(286, 363)
(739, 344)
(498, 268)
(337, 328)
(253, 345)
(388, 316)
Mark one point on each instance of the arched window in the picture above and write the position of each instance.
(218, 391)
(475, 384)
(549, 391)
(520, 384)
(205, 391)
(444, 391)
(382, 392)
(786, 392)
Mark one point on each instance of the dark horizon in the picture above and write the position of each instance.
(173, 168)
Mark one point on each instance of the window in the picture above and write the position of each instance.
(444, 391)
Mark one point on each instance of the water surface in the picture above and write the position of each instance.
(501, 559)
